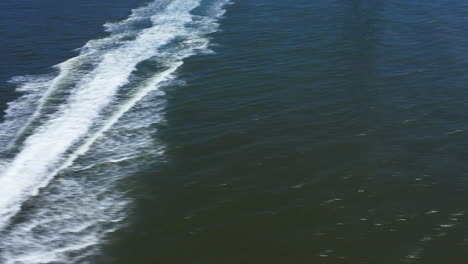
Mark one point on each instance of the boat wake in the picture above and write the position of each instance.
(69, 142)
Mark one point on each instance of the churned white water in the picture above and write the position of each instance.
(68, 141)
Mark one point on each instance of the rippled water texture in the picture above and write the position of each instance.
(202, 131)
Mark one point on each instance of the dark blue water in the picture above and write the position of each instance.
(307, 132)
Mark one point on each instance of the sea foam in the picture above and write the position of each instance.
(90, 124)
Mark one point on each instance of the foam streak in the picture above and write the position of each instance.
(47, 144)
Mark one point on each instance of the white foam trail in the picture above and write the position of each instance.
(40, 159)
(19, 111)
(66, 69)
(51, 142)
(153, 82)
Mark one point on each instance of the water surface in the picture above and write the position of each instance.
(251, 131)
